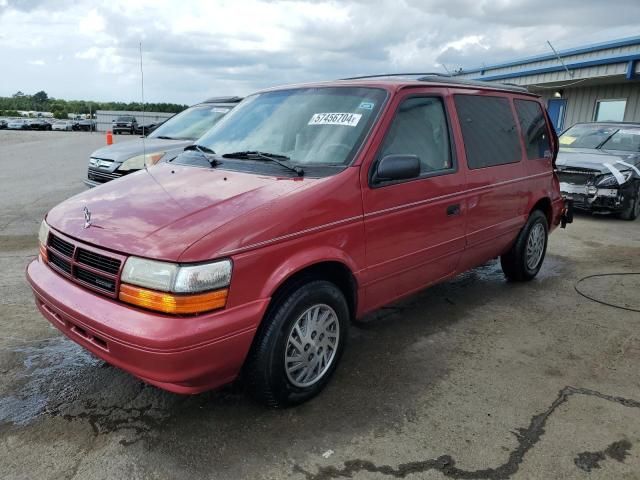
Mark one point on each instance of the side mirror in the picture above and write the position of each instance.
(397, 167)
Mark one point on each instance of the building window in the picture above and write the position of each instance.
(489, 130)
(610, 110)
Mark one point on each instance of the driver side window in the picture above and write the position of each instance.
(420, 128)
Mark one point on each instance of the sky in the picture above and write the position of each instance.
(192, 50)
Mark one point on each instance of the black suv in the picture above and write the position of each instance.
(124, 123)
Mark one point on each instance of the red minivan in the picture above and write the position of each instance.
(306, 207)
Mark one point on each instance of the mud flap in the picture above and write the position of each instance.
(567, 213)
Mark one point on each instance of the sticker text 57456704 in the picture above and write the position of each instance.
(346, 119)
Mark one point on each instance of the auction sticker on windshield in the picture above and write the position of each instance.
(347, 119)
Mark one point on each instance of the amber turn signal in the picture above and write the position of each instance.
(182, 304)
(43, 253)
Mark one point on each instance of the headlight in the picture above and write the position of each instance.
(43, 236)
(138, 163)
(174, 288)
(610, 180)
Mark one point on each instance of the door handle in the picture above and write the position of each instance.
(453, 210)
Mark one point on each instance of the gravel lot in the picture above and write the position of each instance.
(474, 378)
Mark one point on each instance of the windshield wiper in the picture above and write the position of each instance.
(206, 152)
(266, 157)
(601, 144)
(164, 137)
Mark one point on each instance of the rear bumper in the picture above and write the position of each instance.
(179, 354)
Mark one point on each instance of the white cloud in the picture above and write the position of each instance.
(194, 49)
(38, 62)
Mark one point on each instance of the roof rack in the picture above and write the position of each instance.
(382, 75)
(446, 78)
(223, 100)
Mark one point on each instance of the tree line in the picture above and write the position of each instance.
(40, 101)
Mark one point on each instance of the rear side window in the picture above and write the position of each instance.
(489, 130)
(420, 128)
(534, 129)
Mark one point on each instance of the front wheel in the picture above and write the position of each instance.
(523, 261)
(299, 345)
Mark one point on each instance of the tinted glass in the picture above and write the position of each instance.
(488, 129)
(420, 128)
(624, 140)
(587, 135)
(534, 129)
(191, 123)
(311, 126)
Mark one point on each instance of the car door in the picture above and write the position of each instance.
(414, 228)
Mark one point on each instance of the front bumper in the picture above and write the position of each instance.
(180, 354)
(591, 198)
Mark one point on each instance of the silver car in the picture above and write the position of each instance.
(163, 144)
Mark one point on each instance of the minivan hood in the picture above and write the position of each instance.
(160, 212)
(595, 159)
(121, 151)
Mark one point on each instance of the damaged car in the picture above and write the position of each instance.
(599, 168)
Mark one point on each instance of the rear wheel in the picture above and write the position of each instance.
(633, 209)
(523, 261)
(299, 346)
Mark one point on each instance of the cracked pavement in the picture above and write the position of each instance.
(474, 378)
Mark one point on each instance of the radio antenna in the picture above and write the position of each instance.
(560, 60)
(144, 147)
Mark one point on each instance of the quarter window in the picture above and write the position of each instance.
(420, 128)
(489, 130)
(534, 129)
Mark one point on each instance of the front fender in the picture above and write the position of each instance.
(304, 259)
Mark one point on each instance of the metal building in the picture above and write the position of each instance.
(104, 117)
(597, 82)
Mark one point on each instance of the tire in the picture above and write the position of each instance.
(633, 210)
(523, 261)
(265, 370)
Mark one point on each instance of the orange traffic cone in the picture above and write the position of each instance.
(109, 137)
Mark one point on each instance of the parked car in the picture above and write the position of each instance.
(124, 123)
(62, 125)
(599, 167)
(18, 124)
(321, 203)
(39, 124)
(86, 125)
(148, 128)
(164, 143)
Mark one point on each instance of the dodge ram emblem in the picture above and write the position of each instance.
(87, 217)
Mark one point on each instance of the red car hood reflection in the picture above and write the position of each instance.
(160, 212)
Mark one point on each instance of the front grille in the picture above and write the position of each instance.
(60, 262)
(61, 246)
(83, 265)
(95, 280)
(102, 177)
(577, 176)
(97, 261)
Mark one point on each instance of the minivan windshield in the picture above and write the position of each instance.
(605, 137)
(191, 123)
(314, 126)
